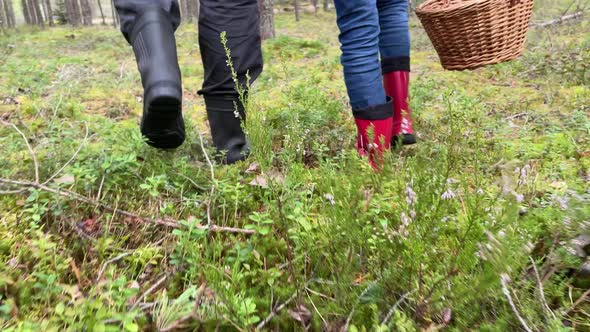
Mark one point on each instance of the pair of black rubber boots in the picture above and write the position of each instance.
(162, 122)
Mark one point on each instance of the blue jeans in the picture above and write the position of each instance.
(370, 29)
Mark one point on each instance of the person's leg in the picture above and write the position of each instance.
(394, 45)
(359, 37)
(241, 23)
(149, 27)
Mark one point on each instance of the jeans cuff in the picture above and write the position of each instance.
(391, 64)
(377, 112)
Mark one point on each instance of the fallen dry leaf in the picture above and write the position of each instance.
(260, 181)
(301, 314)
(253, 168)
(65, 179)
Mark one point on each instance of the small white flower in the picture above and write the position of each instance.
(411, 197)
(448, 195)
(405, 219)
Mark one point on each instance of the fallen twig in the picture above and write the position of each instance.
(577, 303)
(72, 158)
(149, 291)
(209, 223)
(394, 307)
(110, 261)
(541, 291)
(278, 309)
(504, 281)
(274, 312)
(167, 223)
(31, 151)
(559, 20)
(191, 316)
(364, 292)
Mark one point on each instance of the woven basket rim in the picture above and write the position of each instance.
(424, 7)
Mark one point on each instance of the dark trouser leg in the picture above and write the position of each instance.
(149, 27)
(240, 20)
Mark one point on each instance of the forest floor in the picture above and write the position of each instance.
(478, 227)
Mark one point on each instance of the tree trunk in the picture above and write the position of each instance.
(86, 12)
(316, 5)
(114, 14)
(32, 12)
(193, 8)
(25, 8)
(3, 19)
(104, 22)
(73, 9)
(267, 26)
(297, 13)
(184, 10)
(38, 12)
(49, 12)
(189, 10)
(326, 5)
(9, 13)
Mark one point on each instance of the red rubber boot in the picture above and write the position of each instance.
(396, 81)
(375, 127)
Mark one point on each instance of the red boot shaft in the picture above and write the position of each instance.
(375, 126)
(397, 86)
(396, 81)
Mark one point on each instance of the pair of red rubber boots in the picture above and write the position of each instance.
(377, 130)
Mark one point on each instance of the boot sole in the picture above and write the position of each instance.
(406, 139)
(164, 112)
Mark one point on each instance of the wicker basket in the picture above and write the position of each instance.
(468, 34)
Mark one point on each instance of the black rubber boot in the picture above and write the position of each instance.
(226, 128)
(155, 51)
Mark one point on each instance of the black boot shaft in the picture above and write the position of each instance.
(226, 115)
(154, 45)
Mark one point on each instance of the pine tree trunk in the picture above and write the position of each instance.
(297, 13)
(49, 12)
(44, 9)
(104, 22)
(267, 27)
(86, 12)
(326, 5)
(114, 14)
(73, 9)
(32, 12)
(10, 13)
(25, 8)
(38, 12)
(193, 8)
(184, 10)
(3, 19)
(189, 10)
